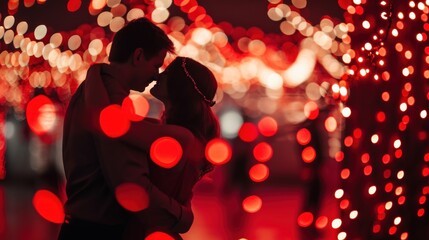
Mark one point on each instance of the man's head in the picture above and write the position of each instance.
(143, 46)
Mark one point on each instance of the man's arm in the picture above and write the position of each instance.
(122, 163)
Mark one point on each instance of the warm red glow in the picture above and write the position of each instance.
(308, 154)
(422, 200)
(381, 116)
(330, 124)
(303, 136)
(344, 204)
(387, 173)
(305, 219)
(248, 132)
(159, 236)
(267, 126)
(339, 156)
(392, 230)
(252, 204)
(386, 159)
(388, 187)
(398, 106)
(425, 172)
(357, 133)
(401, 200)
(426, 157)
(311, 110)
(367, 170)
(218, 151)
(321, 222)
(263, 152)
(259, 172)
(98, 4)
(376, 228)
(136, 107)
(113, 121)
(2, 154)
(348, 141)
(421, 212)
(41, 114)
(398, 153)
(166, 152)
(49, 206)
(197, 13)
(345, 173)
(365, 158)
(73, 5)
(132, 197)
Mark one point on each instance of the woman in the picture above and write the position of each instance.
(186, 88)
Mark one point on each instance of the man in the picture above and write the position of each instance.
(96, 165)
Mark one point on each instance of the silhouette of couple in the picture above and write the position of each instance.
(96, 166)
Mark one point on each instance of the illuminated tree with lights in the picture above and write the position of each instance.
(385, 166)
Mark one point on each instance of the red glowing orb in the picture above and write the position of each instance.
(49, 206)
(159, 236)
(41, 114)
(135, 107)
(263, 152)
(248, 132)
(166, 152)
(132, 197)
(252, 204)
(218, 151)
(113, 121)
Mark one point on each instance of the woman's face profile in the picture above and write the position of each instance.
(159, 90)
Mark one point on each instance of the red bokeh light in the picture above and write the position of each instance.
(311, 110)
(49, 206)
(308, 154)
(252, 204)
(303, 136)
(218, 151)
(321, 222)
(166, 152)
(305, 219)
(113, 121)
(135, 107)
(259, 172)
(345, 173)
(344, 204)
(98, 4)
(263, 152)
(73, 5)
(159, 236)
(267, 126)
(41, 114)
(248, 132)
(132, 197)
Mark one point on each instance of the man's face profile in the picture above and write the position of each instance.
(149, 70)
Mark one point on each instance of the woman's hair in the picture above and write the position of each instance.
(139, 33)
(191, 88)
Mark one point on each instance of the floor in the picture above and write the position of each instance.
(218, 213)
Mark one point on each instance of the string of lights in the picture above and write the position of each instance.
(385, 151)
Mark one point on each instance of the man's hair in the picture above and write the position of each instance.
(139, 33)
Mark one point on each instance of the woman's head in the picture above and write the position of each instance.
(188, 88)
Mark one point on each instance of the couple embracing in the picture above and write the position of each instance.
(96, 165)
